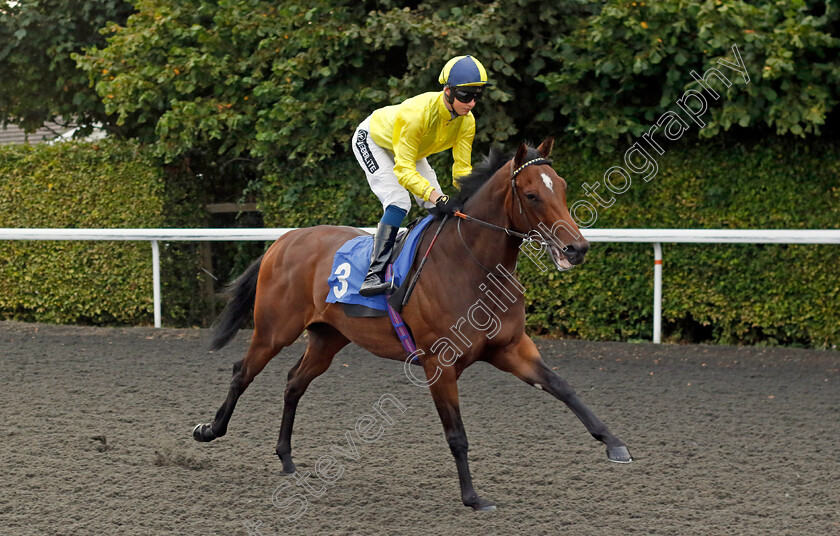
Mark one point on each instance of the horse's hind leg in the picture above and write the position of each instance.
(265, 344)
(524, 362)
(324, 342)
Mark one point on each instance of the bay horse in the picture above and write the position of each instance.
(287, 288)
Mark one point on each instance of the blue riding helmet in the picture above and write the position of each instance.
(464, 71)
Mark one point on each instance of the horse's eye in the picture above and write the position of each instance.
(531, 197)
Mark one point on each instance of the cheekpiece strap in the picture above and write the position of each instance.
(515, 172)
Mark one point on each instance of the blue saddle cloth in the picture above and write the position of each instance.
(351, 263)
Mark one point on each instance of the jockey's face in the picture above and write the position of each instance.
(459, 94)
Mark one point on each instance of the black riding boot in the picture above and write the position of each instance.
(383, 245)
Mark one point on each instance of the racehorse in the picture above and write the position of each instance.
(507, 201)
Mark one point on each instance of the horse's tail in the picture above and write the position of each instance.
(242, 293)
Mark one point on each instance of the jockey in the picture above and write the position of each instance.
(393, 142)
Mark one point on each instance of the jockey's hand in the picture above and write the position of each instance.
(447, 205)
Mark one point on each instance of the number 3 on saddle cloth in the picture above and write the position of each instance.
(350, 266)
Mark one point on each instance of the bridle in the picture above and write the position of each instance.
(513, 174)
(525, 237)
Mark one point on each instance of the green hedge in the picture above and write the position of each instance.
(333, 193)
(751, 294)
(80, 185)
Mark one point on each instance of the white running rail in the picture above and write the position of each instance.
(655, 236)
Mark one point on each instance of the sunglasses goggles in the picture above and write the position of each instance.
(466, 95)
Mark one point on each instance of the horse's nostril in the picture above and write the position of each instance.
(581, 248)
(576, 251)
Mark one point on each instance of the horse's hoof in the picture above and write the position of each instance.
(203, 433)
(483, 505)
(289, 467)
(619, 454)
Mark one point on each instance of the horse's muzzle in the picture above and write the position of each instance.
(576, 252)
(570, 256)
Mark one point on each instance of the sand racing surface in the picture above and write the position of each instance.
(96, 439)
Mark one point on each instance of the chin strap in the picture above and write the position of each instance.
(451, 100)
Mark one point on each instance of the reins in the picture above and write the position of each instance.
(509, 232)
(423, 262)
(464, 242)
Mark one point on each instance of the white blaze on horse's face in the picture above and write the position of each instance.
(548, 182)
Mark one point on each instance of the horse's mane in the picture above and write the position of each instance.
(488, 167)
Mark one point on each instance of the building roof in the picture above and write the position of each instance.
(12, 135)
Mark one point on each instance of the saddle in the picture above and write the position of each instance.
(350, 266)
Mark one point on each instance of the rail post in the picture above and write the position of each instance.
(657, 293)
(156, 280)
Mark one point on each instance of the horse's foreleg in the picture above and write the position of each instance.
(260, 352)
(524, 362)
(324, 343)
(445, 394)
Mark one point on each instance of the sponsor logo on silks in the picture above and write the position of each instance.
(364, 150)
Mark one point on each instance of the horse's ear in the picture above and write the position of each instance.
(545, 147)
(519, 159)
